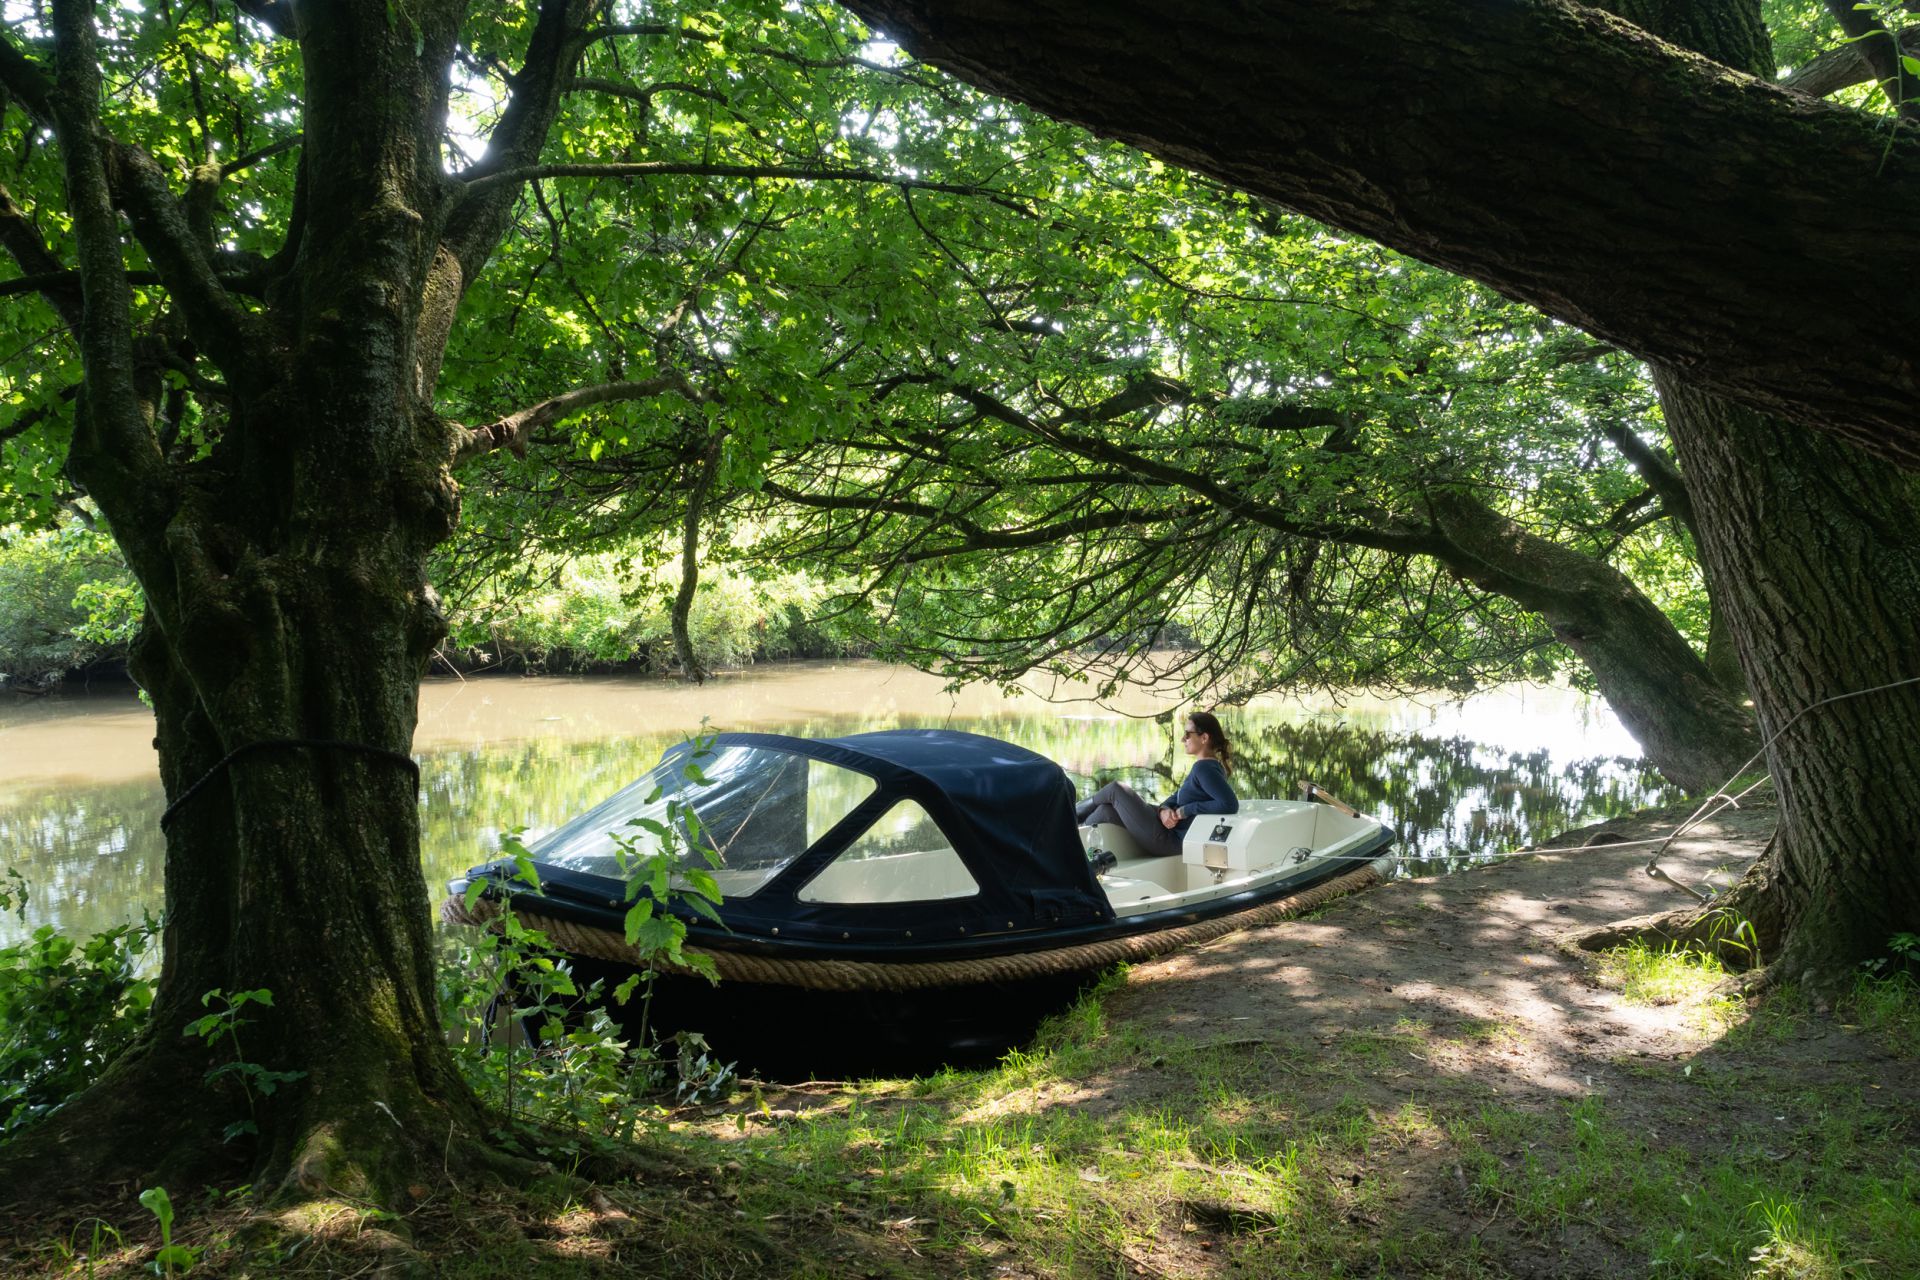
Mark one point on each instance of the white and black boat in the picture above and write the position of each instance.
(941, 867)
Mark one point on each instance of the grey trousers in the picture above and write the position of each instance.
(1117, 802)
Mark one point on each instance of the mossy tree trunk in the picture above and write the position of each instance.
(287, 598)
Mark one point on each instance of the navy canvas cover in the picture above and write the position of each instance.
(1007, 811)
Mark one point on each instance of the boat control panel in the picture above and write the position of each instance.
(1263, 834)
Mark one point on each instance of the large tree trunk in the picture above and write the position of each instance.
(304, 623)
(1816, 550)
(1709, 220)
(1689, 726)
(289, 621)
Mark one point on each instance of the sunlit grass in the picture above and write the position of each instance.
(1747, 1208)
(1103, 1150)
(1222, 1151)
(1659, 976)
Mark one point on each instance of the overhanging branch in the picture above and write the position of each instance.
(512, 431)
(1842, 68)
(750, 172)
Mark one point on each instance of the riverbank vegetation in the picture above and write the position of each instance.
(334, 315)
(69, 610)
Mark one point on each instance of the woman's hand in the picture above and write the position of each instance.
(1169, 818)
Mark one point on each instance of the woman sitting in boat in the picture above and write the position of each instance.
(1206, 790)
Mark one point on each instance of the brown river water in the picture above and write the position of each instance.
(80, 799)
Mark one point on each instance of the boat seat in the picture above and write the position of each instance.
(1118, 840)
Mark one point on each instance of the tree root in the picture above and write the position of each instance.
(1718, 929)
(152, 1121)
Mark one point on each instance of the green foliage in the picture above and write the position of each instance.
(222, 1028)
(582, 1081)
(665, 864)
(172, 1259)
(990, 323)
(1886, 995)
(67, 1010)
(606, 610)
(66, 602)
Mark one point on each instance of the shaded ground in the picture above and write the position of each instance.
(1418, 1081)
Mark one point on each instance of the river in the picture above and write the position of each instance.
(80, 798)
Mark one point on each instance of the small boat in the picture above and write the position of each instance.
(934, 864)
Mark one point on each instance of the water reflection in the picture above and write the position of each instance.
(93, 851)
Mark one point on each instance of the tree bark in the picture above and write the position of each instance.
(1815, 549)
(1814, 552)
(288, 605)
(1555, 152)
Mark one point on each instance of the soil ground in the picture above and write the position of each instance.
(1419, 1080)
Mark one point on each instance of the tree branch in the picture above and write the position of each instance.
(45, 274)
(27, 419)
(641, 94)
(1662, 477)
(1842, 68)
(475, 227)
(221, 327)
(27, 82)
(276, 16)
(1881, 52)
(752, 172)
(267, 152)
(114, 452)
(133, 182)
(511, 432)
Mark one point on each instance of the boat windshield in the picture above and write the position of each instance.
(754, 808)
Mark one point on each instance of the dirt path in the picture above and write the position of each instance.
(1455, 999)
(1473, 953)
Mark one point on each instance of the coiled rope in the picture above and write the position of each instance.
(916, 975)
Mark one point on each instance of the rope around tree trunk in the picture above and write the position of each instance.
(866, 975)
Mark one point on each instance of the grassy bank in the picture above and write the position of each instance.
(1108, 1150)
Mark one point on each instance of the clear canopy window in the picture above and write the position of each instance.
(903, 857)
(756, 808)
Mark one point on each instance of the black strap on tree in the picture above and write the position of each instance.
(321, 744)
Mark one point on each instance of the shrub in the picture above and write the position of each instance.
(66, 602)
(67, 1009)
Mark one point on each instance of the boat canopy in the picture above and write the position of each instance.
(868, 837)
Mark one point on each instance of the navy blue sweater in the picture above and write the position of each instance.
(1206, 790)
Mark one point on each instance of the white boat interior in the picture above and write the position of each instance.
(1266, 842)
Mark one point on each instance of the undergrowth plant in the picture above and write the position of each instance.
(223, 1025)
(1886, 995)
(573, 1078)
(67, 1009)
(172, 1259)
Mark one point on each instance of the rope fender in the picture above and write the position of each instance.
(867, 975)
